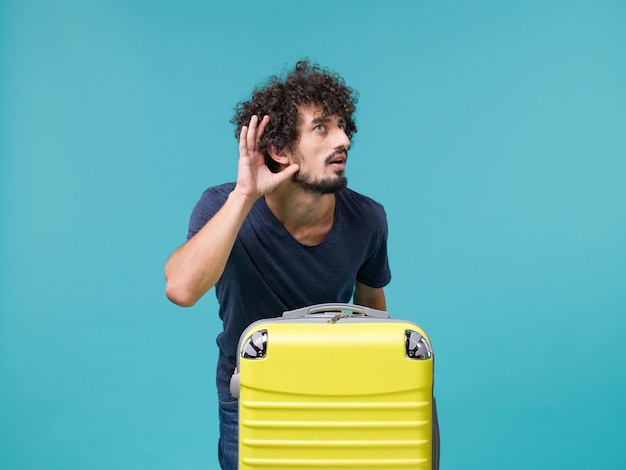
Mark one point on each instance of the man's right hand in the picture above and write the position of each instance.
(254, 178)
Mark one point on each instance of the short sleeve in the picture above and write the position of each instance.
(210, 202)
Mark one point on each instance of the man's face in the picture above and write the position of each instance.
(321, 152)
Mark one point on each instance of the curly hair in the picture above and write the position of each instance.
(306, 84)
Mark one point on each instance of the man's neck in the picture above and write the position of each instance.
(307, 216)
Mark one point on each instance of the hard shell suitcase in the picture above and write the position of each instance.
(334, 386)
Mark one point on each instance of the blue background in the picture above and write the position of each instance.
(493, 132)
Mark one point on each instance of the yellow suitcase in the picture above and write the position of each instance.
(334, 386)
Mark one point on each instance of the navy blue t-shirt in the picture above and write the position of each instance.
(269, 271)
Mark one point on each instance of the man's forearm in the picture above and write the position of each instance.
(370, 297)
(196, 266)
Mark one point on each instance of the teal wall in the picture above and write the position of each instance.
(494, 133)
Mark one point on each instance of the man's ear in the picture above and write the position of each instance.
(279, 156)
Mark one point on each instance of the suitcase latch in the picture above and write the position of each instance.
(416, 346)
(255, 346)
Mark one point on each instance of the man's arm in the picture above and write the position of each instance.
(370, 296)
(197, 265)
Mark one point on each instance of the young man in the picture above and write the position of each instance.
(288, 233)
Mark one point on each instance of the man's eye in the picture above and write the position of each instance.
(320, 127)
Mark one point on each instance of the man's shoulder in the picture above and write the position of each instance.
(211, 200)
(220, 190)
(356, 209)
(215, 195)
(355, 199)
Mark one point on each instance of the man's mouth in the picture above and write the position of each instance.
(338, 158)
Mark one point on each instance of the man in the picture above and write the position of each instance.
(288, 233)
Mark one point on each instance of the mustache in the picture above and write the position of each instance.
(339, 151)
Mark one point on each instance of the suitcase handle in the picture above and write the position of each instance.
(335, 307)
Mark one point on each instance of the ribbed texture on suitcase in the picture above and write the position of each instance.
(362, 411)
(341, 434)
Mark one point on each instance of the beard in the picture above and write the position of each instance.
(326, 185)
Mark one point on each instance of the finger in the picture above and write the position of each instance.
(252, 132)
(287, 173)
(243, 135)
(262, 125)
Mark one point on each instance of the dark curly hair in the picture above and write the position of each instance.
(306, 84)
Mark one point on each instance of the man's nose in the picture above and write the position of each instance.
(342, 139)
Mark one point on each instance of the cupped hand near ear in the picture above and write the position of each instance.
(254, 178)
